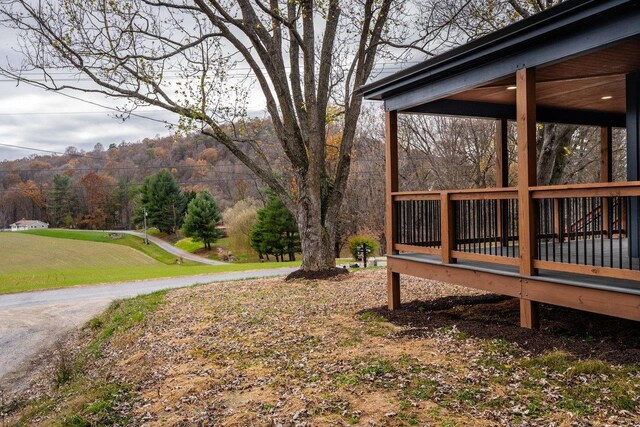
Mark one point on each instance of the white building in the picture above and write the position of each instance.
(28, 224)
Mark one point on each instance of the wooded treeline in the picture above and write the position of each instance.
(101, 187)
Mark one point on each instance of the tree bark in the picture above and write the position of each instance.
(317, 237)
(555, 138)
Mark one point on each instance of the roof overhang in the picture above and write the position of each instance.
(462, 79)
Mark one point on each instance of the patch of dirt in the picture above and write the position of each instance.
(330, 273)
(584, 335)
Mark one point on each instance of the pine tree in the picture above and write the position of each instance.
(202, 218)
(275, 232)
(61, 198)
(165, 204)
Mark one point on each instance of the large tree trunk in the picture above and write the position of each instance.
(317, 239)
(555, 138)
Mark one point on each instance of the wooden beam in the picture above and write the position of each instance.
(526, 122)
(447, 227)
(529, 314)
(527, 158)
(452, 273)
(606, 172)
(502, 153)
(606, 154)
(391, 220)
(393, 290)
(632, 225)
(391, 176)
(608, 302)
(502, 173)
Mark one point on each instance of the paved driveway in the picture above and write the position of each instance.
(170, 248)
(31, 322)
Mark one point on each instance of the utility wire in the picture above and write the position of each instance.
(86, 101)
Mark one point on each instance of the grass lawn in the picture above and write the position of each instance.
(61, 258)
(189, 245)
(134, 242)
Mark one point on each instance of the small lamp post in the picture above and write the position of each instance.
(146, 238)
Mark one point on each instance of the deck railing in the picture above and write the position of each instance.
(578, 228)
(583, 229)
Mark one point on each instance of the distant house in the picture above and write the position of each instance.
(28, 224)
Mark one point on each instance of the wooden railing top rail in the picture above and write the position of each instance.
(605, 189)
(470, 194)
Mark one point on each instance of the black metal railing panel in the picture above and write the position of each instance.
(488, 227)
(585, 231)
(418, 223)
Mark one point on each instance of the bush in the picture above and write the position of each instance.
(239, 220)
(355, 243)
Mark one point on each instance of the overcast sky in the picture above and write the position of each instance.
(33, 117)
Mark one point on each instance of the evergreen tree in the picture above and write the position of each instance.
(60, 202)
(275, 232)
(165, 204)
(202, 218)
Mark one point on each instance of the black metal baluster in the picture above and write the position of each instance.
(620, 233)
(483, 203)
(495, 227)
(553, 229)
(611, 222)
(546, 230)
(602, 231)
(593, 232)
(584, 229)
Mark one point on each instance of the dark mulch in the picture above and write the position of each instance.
(585, 335)
(331, 273)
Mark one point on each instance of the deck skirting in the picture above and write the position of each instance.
(608, 302)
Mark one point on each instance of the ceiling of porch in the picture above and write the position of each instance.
(593, 82)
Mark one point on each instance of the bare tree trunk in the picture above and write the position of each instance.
(555, 139)
(317, 239)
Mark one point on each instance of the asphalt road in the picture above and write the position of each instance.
(32, 322)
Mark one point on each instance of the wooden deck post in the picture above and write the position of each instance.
(502, 173)
(632, 211)
(526, 116)
(558, 232)
(527, 158)
(391, 220)
(448, 228)
(529, 314)
(606, 173)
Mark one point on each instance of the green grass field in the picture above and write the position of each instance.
(32, 261)
(134, 242)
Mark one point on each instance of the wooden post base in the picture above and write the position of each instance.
(529, 314)
(393, 290)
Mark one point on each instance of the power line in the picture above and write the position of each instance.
(105, 106)
(182, 183)
(46, 113)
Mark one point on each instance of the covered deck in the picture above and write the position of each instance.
(571, 245)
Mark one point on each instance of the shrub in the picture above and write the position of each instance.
(356, 242)
(239, 220)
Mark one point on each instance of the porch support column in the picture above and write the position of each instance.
(527, 156)
(606, 173)
(391, 220)
(502, 173)
(633, 157)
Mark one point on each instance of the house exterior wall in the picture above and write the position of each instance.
(36, 225)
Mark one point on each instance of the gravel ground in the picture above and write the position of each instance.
(305, 353)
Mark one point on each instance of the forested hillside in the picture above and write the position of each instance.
(99, 189)
(105, 178)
